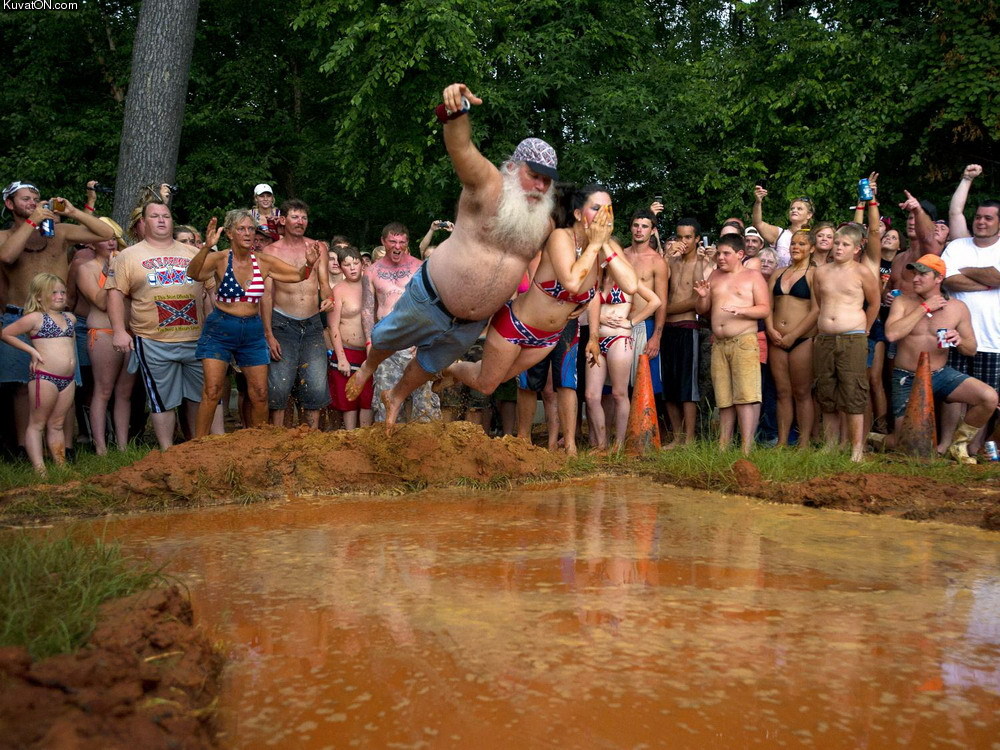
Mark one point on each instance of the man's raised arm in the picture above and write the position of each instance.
(473, 169)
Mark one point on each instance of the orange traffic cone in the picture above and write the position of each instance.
(643, 432)
(916, 433)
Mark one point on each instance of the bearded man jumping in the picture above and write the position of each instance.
(504, 217)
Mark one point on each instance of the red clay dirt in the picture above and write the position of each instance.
(145, 679)
(913, 498)
(275, 462)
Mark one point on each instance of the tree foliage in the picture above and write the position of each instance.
(331, 100)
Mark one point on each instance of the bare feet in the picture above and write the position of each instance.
(392, 407)
(857, 455)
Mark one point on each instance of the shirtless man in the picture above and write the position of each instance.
(25, 253)
(925, 235)
(503, 220)
(347, 339)
(293, 327)
(737, 298)
(913, 322)
(381, 288)
(652, 271)
(754, 244)
(681, 333)
(840, 351)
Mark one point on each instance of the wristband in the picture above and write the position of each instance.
(926, 308)
(446, 115)
(860, 207)
(308, 273)
(31, 223)
(88, 208)
(873, 202)
(609, 259)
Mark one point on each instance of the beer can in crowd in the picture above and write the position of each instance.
(991, 450)
(865, 190)
(896, 292)
(48, 227)
(943, 343)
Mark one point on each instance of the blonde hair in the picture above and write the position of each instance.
(235, 216)
(851, 232)
(41, 288)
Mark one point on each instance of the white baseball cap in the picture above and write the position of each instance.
(263, 188)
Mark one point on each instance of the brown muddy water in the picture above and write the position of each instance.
(607, 614)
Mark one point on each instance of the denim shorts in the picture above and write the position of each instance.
(303, 363)
(418, 321)
(227, 337)
(943, 382)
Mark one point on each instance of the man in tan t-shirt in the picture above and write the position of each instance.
(164, 320)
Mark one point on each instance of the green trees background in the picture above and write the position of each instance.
(331, 100)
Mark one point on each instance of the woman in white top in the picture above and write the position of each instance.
(800, 214)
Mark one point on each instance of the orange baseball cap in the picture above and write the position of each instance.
(927, 263)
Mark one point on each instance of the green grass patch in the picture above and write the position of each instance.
(703, 461)
(51, 587)
(21, 473)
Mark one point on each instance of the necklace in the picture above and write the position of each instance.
(579, 245)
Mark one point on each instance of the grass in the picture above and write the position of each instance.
(51, 587)
(21, 474)
(703, 461)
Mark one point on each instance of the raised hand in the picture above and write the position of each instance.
(600, 229)
(759, 193)
(972, 172)
(312, 253)
(453, 94)
(873, 183)
(213, 233)
(702, 287)
(910, 204)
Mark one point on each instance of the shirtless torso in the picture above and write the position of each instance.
(652, 271)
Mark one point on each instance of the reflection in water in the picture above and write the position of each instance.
(605, 614)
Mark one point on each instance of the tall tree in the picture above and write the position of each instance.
(154, 105)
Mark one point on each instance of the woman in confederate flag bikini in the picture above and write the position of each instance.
(233, 331)
(522, 332)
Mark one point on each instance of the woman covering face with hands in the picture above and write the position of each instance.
(522, 332)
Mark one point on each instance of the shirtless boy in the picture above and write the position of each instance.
(347, 339)
(681, 333)
(503, 220)
(653, 272)
(737, 298)
(913, 322)
(840, 351)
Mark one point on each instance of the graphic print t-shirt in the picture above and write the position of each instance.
(165, 300)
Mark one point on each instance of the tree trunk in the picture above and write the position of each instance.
(154, 105)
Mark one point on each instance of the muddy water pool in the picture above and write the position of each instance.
(608, 614)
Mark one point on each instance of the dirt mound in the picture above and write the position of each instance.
(275, 462)
(146, 679)
(914, 498)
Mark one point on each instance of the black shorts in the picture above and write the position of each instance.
(680, 351)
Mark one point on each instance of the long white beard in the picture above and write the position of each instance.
(520, 225)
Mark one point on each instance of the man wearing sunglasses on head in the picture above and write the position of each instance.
(24, 252)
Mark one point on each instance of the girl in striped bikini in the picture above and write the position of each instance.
(53, 347)
(234, 331)
(611, 350)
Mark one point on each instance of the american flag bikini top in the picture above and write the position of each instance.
(230, 290)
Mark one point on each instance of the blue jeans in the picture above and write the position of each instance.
(303, 362)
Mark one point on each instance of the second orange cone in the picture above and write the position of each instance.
(643, 432)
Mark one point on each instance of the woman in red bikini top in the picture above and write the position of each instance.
(522, 332)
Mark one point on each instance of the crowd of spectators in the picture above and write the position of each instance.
(765, 334)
